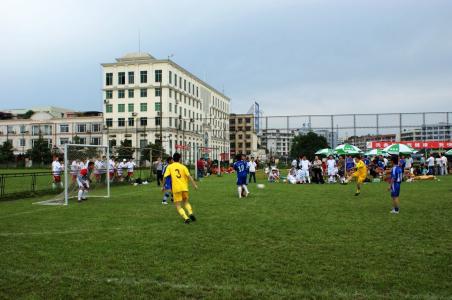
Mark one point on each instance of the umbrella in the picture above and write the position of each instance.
(375, 152)
(326, 152)
(347, 149)
(397, 149)
(448, 153)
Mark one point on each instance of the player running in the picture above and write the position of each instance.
(83, 182)
(241, 168)
(394, 184)
(167, 182)
(360, 174)
(179, 180)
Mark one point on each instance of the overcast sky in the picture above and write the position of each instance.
(293, 57)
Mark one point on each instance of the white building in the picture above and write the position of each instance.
(277, 141)
(58, 126)
(144, 96)
(433, 132)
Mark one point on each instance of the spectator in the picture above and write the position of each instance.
(431, 164)
(252, 169)
(158, 165)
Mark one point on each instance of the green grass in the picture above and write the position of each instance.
(283, 241)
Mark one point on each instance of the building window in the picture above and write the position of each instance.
(131, 122)
(143, 121)
(130, 107)
(64, 128)
(121, 94)
(170, 77)
(109, 122)
(143, 93)
(121, 122)
(157, 121)
(180, 82)
(158, 75)
(95, 127)
(143, 143)
(131, 78)
(143, 107)
(144, 76)
(131, 93)
(157, 106)
(170, 93)
(95, 141)
(121, 78)
(170, 108)
(109, 79)
(109, 108)
(121, 107)
(158, 92)
(170, 120)
(108, 94)
(81, 127)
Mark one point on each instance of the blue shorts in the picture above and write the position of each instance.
(241, 180)
(167, 185)
(395, 189)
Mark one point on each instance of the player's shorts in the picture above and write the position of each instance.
(241, 180)
(331, 172)
(304, 173)
(56, 178)
(395, 189)
(179, 196)
(167, 185)
(83, 183)
(130, 174)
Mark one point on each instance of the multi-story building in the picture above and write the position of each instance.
(439, 132)
(242, 134)
(57, 126)
(277, 141)
(330, 136)
(362, 141)
(152, 100)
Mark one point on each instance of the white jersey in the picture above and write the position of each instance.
(130, 166)
(331, 163)
(121, 167)
(75, 167)
(294, 163)
(305, 164)
(408, 163)
(252, 166)
(56, 168)
(111, 166)
(98, 165)
(430, 161)
(444, 159)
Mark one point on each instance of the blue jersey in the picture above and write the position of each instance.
(402, 164)
(349, 163)
(167, 184)
(397, 174)
(381, 164)
(367, 161)
(241, 168)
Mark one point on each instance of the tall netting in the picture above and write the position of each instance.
(86, 173)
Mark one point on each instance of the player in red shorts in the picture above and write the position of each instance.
(57, 168)
(83, 182)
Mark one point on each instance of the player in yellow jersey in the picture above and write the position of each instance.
(179, 180)
(360, 174)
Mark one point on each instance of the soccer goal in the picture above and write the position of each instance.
(86, 167)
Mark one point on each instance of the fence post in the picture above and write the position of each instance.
(2, 185)
(332, 131)
(33, 182)
(377, 116)
(354, 128)
(400, 126)
(196, 162)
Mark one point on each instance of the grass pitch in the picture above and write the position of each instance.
(284, 241)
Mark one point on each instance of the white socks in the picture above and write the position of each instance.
(239, 189)
(80, 195)
(246, 189)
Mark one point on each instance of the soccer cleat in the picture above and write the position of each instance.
(393, 211)
(164, 203)
(187, 221)
(357, 193)
(192, 217)
(84, 199)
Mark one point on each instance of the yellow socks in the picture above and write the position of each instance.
(188, 208)
(181, 212)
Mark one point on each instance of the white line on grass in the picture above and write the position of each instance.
(6, 234)
(24, 212)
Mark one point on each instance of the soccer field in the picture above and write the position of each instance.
(284, 241)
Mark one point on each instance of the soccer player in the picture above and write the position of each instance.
(179, 180)
(121, 166)
(394, 185)
(305, 165)
(83, 182)
(75, 168)
(252, 169)
(241, 169)
(57, 168)
(360, 174)
(167, 182)
(331, 162)
(130, 165)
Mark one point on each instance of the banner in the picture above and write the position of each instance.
(413, 144)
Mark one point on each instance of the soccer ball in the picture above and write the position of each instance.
(260, 186)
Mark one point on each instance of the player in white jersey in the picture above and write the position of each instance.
(57, 168)
(332, 169)
(130, 166)
(111, 169)
(75, 168)
(83, 182)
(304, 167)
(121, 166)
(98, 165)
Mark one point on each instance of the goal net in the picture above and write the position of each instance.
(86, 168)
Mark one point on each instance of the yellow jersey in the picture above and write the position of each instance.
(361, 169)
(179, 177)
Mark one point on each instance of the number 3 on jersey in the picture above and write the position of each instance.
(178, 173)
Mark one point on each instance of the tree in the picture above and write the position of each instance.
(157, 151)
(307, 145)
(40, 153)
(6, 152)
(125, 150)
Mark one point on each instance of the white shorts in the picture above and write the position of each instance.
(304, 173)
(331, 171)
(83, 184)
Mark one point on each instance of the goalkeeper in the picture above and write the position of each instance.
(83, 182)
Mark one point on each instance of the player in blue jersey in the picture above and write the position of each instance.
(241, 168)
(167, 182)
(394, 185)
